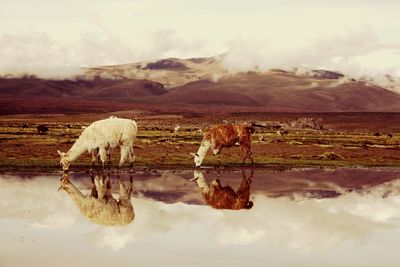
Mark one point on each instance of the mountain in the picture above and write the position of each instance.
(171, 72)
(284, 91)
(80, 88)
(199, 84)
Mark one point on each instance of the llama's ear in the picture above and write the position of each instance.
(192, 154)
(60, 153)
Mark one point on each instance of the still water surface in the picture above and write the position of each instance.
(302, 217)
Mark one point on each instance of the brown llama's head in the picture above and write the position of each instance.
(250, 129)
(249, 205)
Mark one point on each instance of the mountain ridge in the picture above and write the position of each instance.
(203, 82)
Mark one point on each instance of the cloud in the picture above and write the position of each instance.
(153, 219)
(355, 52)
(34, 54)
(49, 210)
(37, 53)
(357, 39)
(314, 224)
(169, 43)
(324, 224)
(301, 224)
(112, 238)
(239, 235)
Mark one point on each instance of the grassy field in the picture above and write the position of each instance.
(23, 148)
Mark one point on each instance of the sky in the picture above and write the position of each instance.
(53, 38)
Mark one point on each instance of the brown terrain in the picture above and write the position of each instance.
(326, 118)
(193, 85)
(324, 139)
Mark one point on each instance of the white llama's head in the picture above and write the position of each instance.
(64, 162)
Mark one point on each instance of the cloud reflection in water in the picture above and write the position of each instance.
(299, 224)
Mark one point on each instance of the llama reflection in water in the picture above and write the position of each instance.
(225, 197)
(100, 206)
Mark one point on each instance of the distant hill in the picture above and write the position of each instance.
(171, 72)
(197, 84)
(95, 88)
(280, 91)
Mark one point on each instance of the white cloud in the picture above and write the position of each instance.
(56, 39)
(303, 225)
(357, 53)
(354, 52)
(49, 210)
(112, 238)
(37, 53)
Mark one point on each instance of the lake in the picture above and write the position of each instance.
(299, 217)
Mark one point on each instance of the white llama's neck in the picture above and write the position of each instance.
(204, 147)
(76, 150)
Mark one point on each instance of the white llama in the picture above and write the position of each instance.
(99, 138)
(100, 206)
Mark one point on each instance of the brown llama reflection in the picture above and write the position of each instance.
(225, 197)
(100, 206)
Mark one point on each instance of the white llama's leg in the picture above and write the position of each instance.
(99, 183)
(103, 155)
(124, 155)
(124, 191)
(124, 202)
(108, 149)
(131, 158)
(95, 156)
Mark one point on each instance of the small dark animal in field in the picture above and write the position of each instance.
(25, 125)
(377, 134)
(225, 135)
(42, 129)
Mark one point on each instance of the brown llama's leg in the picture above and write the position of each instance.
(219, 159)
(243, 192)
(250, 156)
(217, 152)
(243, 150)
(246, 151)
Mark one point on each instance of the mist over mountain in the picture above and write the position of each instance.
(201, 82)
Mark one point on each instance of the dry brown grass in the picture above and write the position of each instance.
(23, 148)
